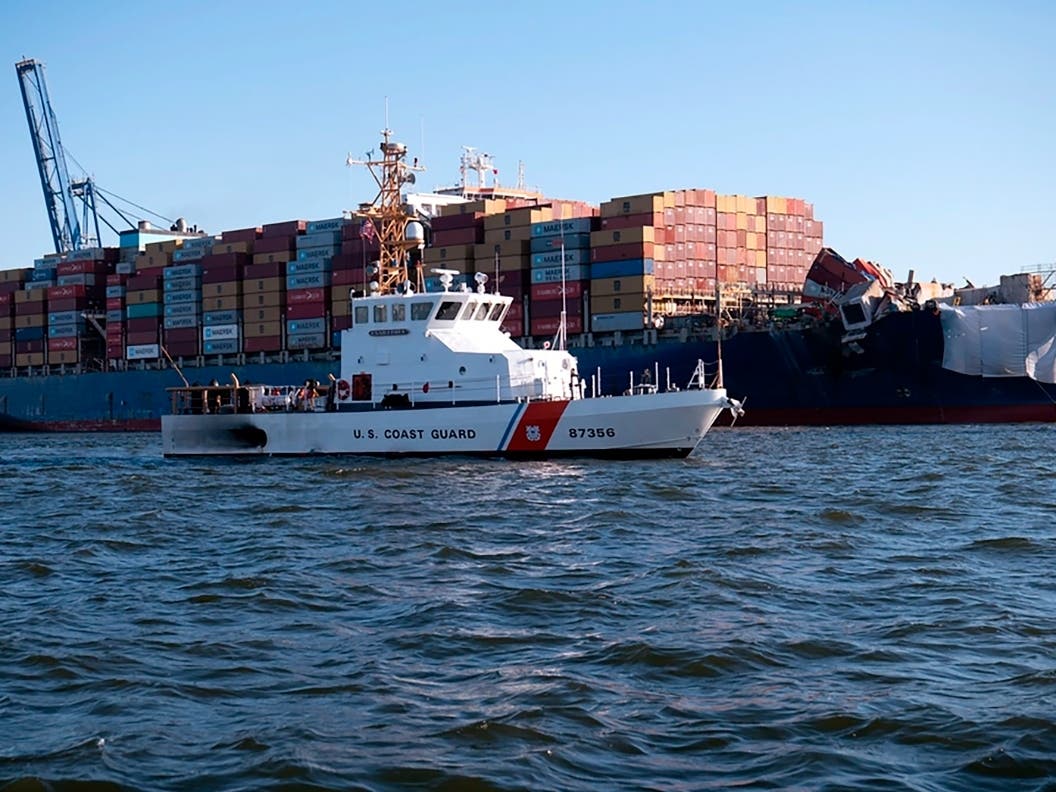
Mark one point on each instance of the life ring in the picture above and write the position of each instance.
(344, 390)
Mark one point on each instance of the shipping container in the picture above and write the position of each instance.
(549, 244)
(572, 272)
(553, 259)
(221, 317)
(621, 268)
(220, 332)
(142, 352)
(306, 341)
(221, 347)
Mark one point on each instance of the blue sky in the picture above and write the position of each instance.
(921, 131)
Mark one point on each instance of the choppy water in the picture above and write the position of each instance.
(868, 608)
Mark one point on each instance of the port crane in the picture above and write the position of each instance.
(73, 227)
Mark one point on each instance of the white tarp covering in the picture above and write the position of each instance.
(1001, 340)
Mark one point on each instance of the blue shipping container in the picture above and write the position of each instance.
(182, 309)
(623, 320)
(333, 224)
(573, 225)
(224, 347)
(302, 267)
(326, 252)
(183, 271)
(294, 326)
(310, 280)
(553, 259)
(183, 284)
(554, 274)
(306, 341)
(570, 241)
(188, 295)
(143, 310)
(180, 322)
(319, 239)
(622, 268)
(65, 317)
(29, 333)
(221, 317)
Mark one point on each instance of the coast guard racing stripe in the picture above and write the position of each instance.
(536, 426)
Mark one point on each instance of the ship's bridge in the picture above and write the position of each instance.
(447, 347)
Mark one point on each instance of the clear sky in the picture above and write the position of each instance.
(922, 132)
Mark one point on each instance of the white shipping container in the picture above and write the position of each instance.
(142, 352)
(219, 332)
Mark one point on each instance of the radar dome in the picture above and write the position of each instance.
(415, 231)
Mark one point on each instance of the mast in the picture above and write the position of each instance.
(386, 212)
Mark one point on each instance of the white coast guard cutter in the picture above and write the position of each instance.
(430, 373)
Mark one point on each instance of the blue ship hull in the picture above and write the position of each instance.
(789, 377)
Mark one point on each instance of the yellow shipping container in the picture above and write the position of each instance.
(255, 329)
(162, 248)
(256, 285)
(267, 313)
(34, 296)
(7, 322)
(29, 359)
(742, 221)
(58, 357)
(340, 306)
(262, 299)
(221, 303)
(225, 289)
(6, 347)
(611, 287)
(646, 203)
(485, 252)
(621, 302)
(486, 206)
(760, 258)
(438, 255)
(776, 205)
(511, 234)
(522, 216)
(279, 257)
(30, 320)
(15, 275)
(622, 236)
(232, 247)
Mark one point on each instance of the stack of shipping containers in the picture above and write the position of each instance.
(264, 287)
(793, 240)
(308, 276)
(31, 314)
(11, 282)
(80, 287)
(223, 271)
(560, 249)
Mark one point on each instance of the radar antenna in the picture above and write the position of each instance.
(386, 211)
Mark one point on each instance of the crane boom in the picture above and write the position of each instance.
(51, 158)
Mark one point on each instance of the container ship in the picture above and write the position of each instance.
(640, 286)
(647, 285)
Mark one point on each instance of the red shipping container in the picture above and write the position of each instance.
(348, 277)
(287, 229)
(221, 274)
(443, 223)
(458, 236)
(115, 351)
(36, 345)
(655, 219)
(629, 250)
(273, 269)
(510, 282)
(361, 248)
(547, 309)
(145, 337)
(10, 287)
(180, 334)
(314, 295)
(241, 235)
(144, 280)
(63, 344)
(340, 323)
(552, 291)
(115, 303)
(306, 310)
(82, 267)
(262, 344)
(143, 324)
(62, 292)
(69, 304)
(275, 244)
(225, 260)
(181, 348)
(7, 299)
(516, 309)
(115, 280)
(548, 326)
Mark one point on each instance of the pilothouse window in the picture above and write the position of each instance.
(471, 306)
(420, 310)
(448, 311)
(496, 312)
(399, 312)
(361, 315)
(482, 312)
(380, 313)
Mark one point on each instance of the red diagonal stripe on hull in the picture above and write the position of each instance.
(543, 415)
